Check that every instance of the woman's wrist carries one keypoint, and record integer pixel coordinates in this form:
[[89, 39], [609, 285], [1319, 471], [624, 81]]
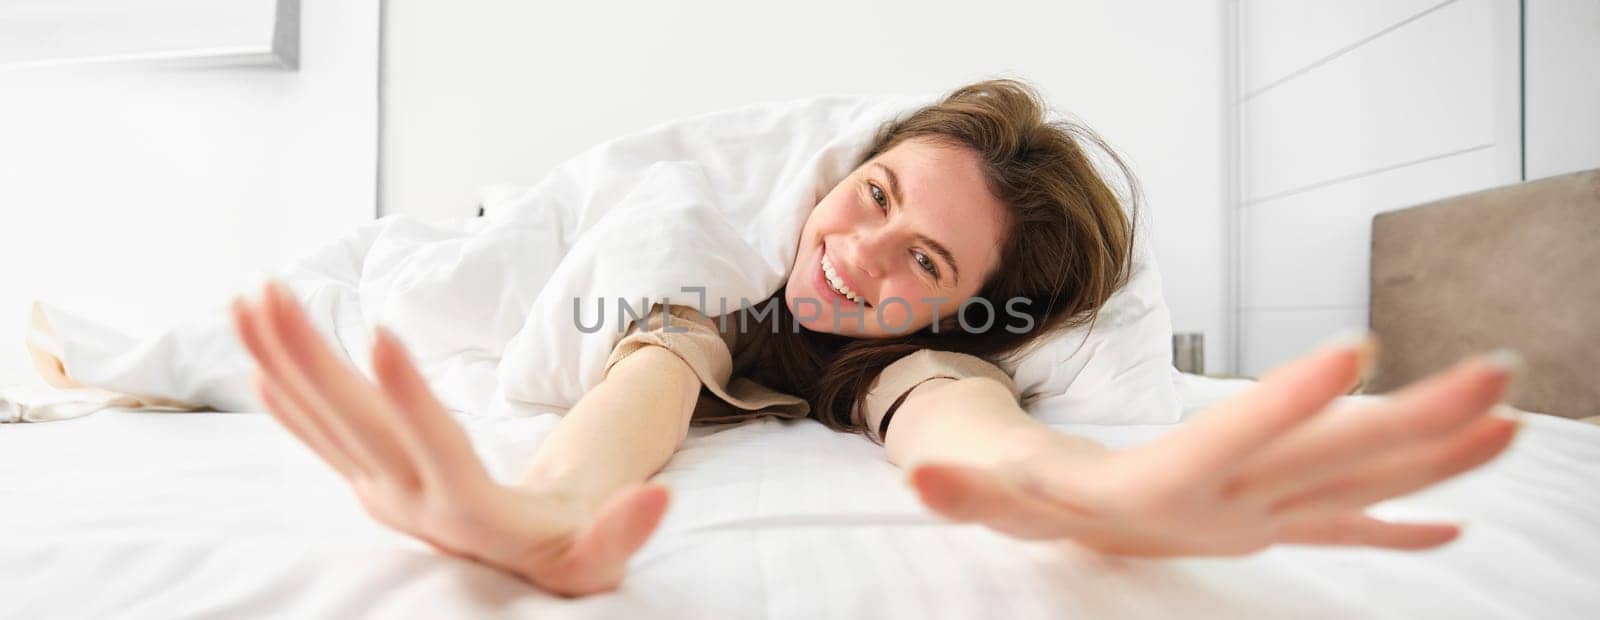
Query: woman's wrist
[[569, 485], [1037, 444]]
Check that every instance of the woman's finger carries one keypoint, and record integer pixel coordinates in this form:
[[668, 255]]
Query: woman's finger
[[248, 325], [1330, 444], [1360, 529], [351, 403], [442, 448], [1217, 440], [295, 420], [1404, 472]]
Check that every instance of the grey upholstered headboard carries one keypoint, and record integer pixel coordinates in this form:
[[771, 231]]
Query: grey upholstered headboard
[[1516, 266]]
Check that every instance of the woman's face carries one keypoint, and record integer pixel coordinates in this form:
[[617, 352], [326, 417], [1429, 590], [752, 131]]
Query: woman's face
[[913, 232]]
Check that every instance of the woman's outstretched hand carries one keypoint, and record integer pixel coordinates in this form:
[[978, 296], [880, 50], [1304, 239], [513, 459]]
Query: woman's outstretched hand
[[413, 467], [1272, 465]]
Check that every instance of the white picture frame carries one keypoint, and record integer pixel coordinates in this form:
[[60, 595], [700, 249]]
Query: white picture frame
[[231, 33]]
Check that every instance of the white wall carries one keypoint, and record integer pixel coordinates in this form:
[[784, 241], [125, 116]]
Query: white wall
[[1563, 86], [1347, 109], [500, 91], [133, 193]]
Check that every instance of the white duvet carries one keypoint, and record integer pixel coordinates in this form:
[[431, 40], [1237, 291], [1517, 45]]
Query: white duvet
[[487, 308], [179, 515]]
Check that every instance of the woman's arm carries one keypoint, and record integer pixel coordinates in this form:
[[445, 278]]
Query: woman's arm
[[973, 421], [1266, 467], [573, 524], [622, 431]]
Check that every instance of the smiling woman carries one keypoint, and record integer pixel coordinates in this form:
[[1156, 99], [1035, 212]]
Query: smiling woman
[[973, 205], [959, 207]]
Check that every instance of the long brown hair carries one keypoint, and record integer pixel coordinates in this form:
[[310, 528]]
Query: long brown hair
[[1068, 246]]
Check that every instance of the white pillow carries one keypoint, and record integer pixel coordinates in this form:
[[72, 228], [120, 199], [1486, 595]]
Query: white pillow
[[1116, 371]]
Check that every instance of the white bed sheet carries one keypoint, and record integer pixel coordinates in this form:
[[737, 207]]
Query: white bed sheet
[[163, 515]]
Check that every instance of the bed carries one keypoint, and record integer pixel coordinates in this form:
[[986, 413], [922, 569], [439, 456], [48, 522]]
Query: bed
[[142, 514], [145, 514]]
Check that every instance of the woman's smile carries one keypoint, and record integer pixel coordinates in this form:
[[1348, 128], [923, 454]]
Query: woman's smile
[[834, 281]]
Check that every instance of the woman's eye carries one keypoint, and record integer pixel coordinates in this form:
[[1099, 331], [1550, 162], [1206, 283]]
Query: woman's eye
[[927, 264], [878, 196]]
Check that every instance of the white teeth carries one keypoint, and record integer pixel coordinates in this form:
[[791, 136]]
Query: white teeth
[[838, 285]]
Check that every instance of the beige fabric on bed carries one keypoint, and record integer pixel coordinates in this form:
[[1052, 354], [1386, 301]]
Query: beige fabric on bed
[[45, 349], [720, 356], [1517, 267], [64, 397]]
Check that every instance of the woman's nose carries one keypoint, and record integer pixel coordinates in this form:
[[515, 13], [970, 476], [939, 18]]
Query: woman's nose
[[871, 251]]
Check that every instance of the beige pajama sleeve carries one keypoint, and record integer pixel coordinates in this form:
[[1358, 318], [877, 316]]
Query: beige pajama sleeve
[[707, 349]]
